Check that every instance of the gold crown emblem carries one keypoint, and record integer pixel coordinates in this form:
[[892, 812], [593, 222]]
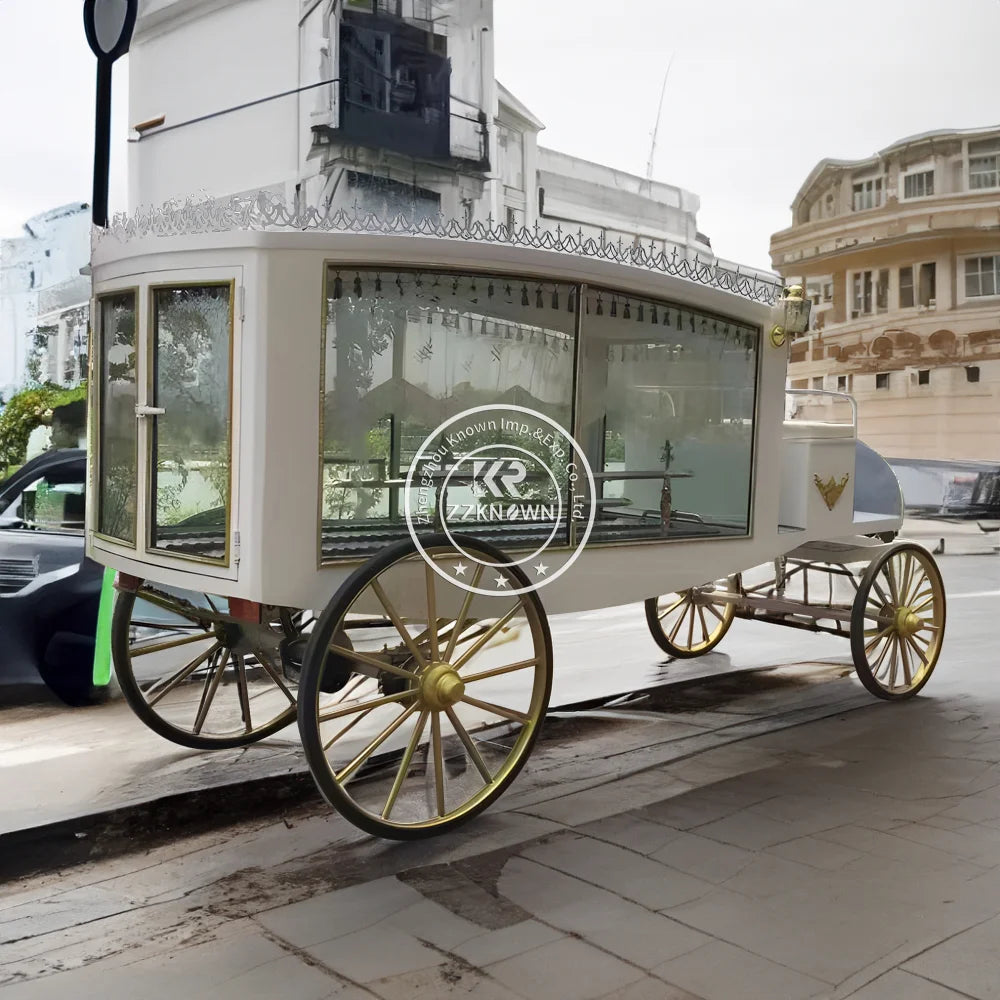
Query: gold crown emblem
[[831, 490]]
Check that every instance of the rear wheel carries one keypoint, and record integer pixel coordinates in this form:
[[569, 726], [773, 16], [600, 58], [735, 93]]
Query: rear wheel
[[198, 675], [897, 622], [692, 622], [414, 726]]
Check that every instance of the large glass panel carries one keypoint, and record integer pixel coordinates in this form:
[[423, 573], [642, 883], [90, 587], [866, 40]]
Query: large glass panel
[[404, 352], [667, 397], [117, 451], [192, 330]]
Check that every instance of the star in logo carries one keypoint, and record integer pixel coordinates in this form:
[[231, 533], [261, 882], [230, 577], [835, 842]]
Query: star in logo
[[460, 569], [501, 582], [541, 569]]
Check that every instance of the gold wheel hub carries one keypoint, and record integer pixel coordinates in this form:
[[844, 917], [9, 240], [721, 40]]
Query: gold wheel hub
[[908, 623], [441, 687]]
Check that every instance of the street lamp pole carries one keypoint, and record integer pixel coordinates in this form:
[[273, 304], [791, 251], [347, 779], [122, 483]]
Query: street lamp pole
[[108, 25]]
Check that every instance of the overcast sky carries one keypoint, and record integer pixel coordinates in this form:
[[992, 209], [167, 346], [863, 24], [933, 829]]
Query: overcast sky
[[757, 93]]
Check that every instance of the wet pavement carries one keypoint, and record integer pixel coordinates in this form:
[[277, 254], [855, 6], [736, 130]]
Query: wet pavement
[[769, 834]]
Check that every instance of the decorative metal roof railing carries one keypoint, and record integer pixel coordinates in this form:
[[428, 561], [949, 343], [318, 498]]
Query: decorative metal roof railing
[[266, 211]]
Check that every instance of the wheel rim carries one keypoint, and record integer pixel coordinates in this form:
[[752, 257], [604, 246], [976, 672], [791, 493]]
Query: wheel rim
[[205, 677], [433, 722], [904, 621], [694, 621]]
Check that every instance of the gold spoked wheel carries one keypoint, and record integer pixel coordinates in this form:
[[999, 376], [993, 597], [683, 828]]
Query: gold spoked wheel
[[412, 729], [692, 622], [196, 674], [897, 622]]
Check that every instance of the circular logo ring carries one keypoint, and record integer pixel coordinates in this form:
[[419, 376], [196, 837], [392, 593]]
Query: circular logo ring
[[581, 463]]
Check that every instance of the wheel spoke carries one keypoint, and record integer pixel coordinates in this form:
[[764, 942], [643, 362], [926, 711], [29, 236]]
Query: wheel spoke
[[921, 654], [878, 638], [486, 636], [677, 625], [398, 623], [211, 686], [244, 692], [673, 607], [364, 706], [438, 761], [371, 661], [182, 674], [159, 647], [876, 667], [904, 657], [346, 729], [429, 575], [462, 614], [892, 662], [273, 674], [345, 775], [690, 644], [470, 746], [504, 713], [497, 671], [893, 586], [715, 611], [404, 766], [704, 627]]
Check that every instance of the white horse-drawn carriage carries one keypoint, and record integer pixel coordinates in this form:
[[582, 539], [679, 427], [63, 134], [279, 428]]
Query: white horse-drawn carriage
[[288, 413]]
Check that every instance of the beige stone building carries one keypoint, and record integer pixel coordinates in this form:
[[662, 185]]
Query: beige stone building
[[900, 254]]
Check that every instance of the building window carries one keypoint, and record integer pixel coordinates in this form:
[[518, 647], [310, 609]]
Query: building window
[[918, 185], [924, 376], [818, 382], [906, 288], [868, 194], [982, 276], [882, 381], [828, 292], [972, 373], [871, 293], [928, 284], [984, 164], [844, 383]]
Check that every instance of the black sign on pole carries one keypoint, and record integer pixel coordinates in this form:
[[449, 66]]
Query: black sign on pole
[[109, 25]]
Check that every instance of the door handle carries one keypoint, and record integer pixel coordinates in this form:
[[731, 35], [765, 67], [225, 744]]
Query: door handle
[[149, 411]]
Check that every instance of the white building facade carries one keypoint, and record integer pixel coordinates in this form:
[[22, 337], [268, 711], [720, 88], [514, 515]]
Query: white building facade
[[43, 299], [389, 106]]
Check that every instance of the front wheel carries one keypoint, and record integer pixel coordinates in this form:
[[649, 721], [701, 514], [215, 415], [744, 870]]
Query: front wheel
[[414, 727], [692, 622], [897, 622]]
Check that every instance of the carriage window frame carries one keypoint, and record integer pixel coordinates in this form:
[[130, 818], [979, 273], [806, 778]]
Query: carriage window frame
[[150, 546], [580, 290], [466, 270], [97, 416], [704, 316]]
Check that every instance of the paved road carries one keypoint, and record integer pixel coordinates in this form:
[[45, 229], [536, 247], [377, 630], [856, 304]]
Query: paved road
[[784, 837]]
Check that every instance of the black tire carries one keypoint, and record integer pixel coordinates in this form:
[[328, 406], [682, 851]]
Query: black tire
[[878, 599], [132, 692], [316, 657]]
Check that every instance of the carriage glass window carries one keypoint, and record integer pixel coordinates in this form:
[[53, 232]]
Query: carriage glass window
[[190, 467], [667, 403], [117, 448], [403, 352]]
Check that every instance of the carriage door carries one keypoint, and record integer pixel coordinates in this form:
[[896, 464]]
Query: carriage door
[[189, 418]]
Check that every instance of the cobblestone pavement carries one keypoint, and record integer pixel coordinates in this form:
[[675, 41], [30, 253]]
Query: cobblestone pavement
[[779, 836]]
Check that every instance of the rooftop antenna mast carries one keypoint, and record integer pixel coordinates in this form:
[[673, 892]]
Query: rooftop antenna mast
[[656, 128]]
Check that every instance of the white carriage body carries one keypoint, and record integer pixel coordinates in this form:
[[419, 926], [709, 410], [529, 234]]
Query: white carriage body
[[278, 292]]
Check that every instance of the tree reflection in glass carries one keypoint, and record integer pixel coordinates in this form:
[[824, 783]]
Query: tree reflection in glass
[[117, 448], [191, 448]]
